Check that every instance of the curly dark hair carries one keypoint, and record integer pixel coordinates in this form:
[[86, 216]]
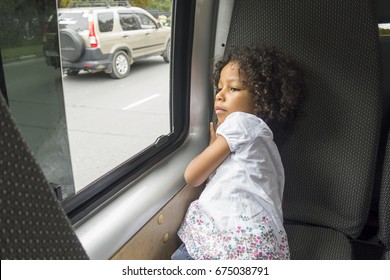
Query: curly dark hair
[[274, 81]]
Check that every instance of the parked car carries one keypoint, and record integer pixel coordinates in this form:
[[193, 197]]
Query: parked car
[[109, 39]]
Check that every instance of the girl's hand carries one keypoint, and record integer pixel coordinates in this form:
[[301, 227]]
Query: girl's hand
[[213, 135], [201, 167]]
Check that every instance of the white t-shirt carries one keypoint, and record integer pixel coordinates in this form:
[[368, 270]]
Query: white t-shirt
[[239, 213]]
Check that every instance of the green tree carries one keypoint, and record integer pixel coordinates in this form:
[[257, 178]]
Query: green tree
[[66, 3], [63, 3], [140, 3], [384, 32], [161, 5]]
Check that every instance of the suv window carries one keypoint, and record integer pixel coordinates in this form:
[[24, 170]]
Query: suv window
[[146, 22], [106, 22], [128, 22], [75, 21]]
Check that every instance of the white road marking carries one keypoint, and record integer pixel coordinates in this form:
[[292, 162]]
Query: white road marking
[[141, 101]]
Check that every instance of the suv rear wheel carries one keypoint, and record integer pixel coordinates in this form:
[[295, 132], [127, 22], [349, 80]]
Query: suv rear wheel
[[167, 53], [120, 65]]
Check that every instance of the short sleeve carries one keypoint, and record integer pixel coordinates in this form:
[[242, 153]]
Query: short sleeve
[[239, 129]]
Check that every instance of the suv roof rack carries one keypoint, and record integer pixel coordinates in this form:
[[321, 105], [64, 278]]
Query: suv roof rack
[[106, 4]]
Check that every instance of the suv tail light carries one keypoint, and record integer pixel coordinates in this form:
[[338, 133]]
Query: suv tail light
[[92, 36]]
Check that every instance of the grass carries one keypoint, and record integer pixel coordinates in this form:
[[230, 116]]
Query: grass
[[384, 32], [11, 54]]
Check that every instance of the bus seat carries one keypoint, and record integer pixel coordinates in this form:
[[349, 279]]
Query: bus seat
[[33, 223], [382, 191], [330, 155], [385, 53], [384, 204]]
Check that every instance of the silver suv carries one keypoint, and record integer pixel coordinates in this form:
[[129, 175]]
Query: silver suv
[[109, 39]]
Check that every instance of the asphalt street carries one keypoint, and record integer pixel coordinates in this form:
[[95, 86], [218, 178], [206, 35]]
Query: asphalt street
[[110, 120]]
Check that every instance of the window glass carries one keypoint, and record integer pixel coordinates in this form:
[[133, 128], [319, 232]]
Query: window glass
[[75, 21], [33, 83], [146, 22], [128, 22], [106, 22], [87, 103]]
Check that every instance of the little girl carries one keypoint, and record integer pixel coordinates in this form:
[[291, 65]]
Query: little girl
[[239, 213]]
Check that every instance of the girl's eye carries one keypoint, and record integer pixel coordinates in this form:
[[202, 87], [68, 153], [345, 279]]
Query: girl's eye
[[234, 89]]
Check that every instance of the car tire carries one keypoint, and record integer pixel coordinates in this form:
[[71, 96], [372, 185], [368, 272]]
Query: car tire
[[72, 45], [167, 53], [120, 65], [71, 73]]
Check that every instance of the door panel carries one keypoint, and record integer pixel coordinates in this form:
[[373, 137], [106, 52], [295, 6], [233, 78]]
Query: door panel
[[157, 240], [155, 38], [131, 34]]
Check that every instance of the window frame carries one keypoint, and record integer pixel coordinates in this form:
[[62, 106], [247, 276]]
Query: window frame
[[3, 88], [84, 202]]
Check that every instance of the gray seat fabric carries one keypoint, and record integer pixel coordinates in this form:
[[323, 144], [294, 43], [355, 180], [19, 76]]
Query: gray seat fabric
[[385, 48], [33, 223], [330, 156], [309, 242], [384, 204]]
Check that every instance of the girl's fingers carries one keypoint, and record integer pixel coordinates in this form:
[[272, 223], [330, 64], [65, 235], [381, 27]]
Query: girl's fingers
[[212, 133]]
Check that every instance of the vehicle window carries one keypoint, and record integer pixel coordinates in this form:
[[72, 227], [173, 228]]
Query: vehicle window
[[92, 116], [128, 22], [106, 22], [75, 21], [146, 22], [33, 85]]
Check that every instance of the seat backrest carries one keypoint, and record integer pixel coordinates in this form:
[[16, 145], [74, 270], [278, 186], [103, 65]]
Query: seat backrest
[[330, 156], [33, 223], [385, 48]]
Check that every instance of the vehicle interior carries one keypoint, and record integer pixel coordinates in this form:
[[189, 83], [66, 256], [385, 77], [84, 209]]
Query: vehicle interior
[[336, 159]]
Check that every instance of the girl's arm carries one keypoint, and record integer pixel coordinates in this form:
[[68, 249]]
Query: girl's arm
[[204, 164]]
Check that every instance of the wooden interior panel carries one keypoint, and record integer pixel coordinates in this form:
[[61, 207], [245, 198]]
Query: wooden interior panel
[[157, 240]]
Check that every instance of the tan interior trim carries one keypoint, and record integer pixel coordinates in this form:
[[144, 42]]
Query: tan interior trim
[[157, 240]]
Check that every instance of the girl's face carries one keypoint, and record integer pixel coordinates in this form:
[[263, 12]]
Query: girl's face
[[231, 96]]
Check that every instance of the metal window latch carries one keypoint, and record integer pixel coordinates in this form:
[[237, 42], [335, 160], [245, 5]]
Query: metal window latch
[[57, 190]]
